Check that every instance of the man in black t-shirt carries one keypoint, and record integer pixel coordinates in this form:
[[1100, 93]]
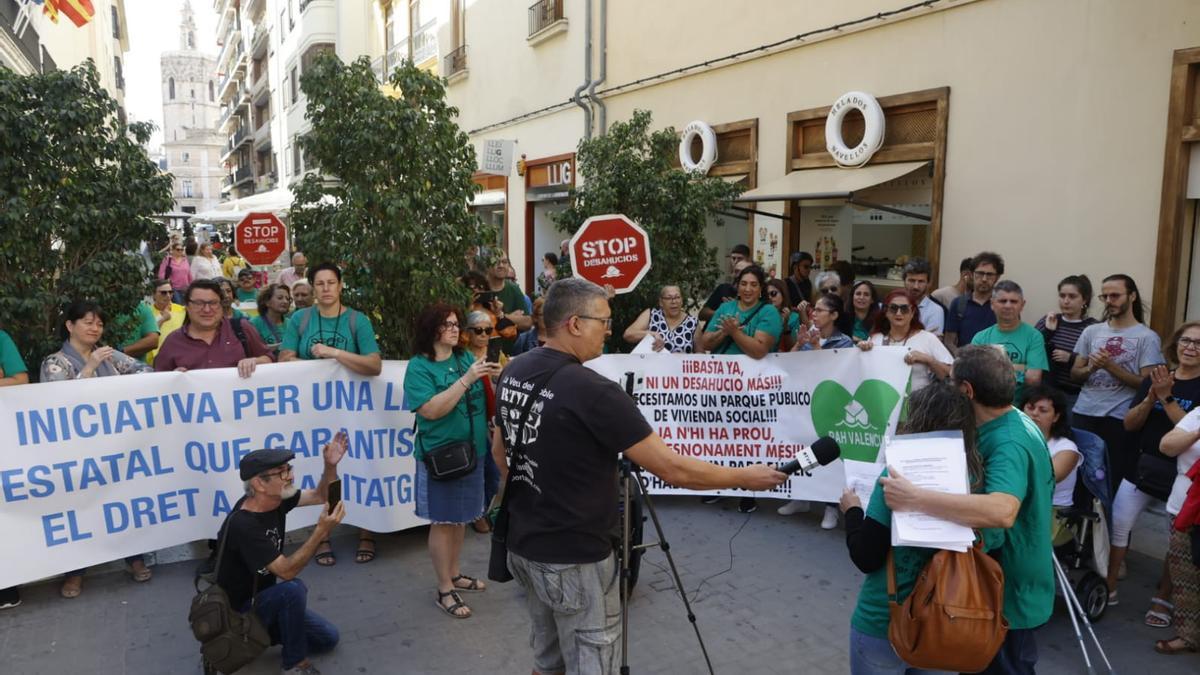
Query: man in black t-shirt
[[725, 291], [253, 558], [563, 500]]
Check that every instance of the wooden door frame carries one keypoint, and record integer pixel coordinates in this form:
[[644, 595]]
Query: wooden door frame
[[1183, 129]]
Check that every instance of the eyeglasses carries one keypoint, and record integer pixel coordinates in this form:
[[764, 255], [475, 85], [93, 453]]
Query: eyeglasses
[[481, 330], [819, 308], [283, 471], [773, 294], [204, 304], [447, 325], [899, 309], [607, 321], [985, 275], [830, 289], [1188, 343], [670, 298]]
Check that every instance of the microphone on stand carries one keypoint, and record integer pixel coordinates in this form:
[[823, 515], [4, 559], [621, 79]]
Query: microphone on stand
[[822, 452]]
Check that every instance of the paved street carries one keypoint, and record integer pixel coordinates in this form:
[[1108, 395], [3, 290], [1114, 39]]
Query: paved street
[[784, 607]]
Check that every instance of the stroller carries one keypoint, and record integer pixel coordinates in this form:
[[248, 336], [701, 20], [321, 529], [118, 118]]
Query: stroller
[[1081, 543]]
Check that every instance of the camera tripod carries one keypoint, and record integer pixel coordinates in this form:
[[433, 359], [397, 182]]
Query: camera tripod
[[631, 479]]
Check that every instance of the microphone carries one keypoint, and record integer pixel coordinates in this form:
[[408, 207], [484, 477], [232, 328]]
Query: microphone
[[821, 453]]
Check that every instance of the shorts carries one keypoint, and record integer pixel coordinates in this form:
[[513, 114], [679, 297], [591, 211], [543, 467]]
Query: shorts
[[575, 613]]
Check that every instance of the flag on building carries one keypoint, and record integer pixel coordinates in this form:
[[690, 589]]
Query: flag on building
[[78, 11]]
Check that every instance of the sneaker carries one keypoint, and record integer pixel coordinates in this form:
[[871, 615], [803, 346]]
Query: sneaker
[[10, 597], [710, 499], [793, 507], [748, 505], [830, 520], [310, 669]]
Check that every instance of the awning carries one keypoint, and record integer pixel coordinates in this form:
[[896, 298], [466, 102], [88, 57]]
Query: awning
[[277, 201], [830, 183], [488, 198]]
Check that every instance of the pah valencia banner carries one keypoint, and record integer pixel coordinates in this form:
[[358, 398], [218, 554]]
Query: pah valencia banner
[[95, 470]]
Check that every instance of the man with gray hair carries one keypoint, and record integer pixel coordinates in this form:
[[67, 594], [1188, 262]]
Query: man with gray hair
[[251, 552], [1022, 343], [1015, 503], [565, 426]]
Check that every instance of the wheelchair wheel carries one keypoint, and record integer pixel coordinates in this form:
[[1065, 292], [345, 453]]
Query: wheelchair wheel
[[1092, 592]]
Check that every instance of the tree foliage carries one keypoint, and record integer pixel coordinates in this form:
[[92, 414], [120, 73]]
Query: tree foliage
[[629, 170], [391, 207], [77, 191]]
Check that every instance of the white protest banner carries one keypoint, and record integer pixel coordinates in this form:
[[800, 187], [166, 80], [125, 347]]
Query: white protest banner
[[735, 410], [98, 469]]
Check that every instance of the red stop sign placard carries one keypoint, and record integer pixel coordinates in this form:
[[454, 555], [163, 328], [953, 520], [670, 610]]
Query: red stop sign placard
[[260, 238], [611, 249]]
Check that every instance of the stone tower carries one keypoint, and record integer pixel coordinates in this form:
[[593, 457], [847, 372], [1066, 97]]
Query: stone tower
[[190, 116]]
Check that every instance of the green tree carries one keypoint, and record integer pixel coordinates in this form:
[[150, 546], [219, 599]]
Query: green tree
[[78, 192], [629, 170], [391, 205]]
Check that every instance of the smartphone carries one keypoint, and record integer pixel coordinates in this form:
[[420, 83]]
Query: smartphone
[[334, 493], [493, 350], [486, 299]]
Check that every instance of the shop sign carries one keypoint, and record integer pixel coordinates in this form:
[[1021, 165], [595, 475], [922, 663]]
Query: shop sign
[[260, 238], [872, 139], [611, 249], [496, 157]]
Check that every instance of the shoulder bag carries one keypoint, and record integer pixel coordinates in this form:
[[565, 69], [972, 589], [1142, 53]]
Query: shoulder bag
[[498, 560], [453, 460], [228, 638], [953, 619]]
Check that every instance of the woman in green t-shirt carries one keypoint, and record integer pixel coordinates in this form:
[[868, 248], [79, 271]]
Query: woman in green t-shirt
[[442, 385], [748, 324], [274, 303], [937, 407]]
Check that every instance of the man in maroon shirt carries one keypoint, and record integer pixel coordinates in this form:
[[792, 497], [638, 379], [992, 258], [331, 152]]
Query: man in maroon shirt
[[208, 340]]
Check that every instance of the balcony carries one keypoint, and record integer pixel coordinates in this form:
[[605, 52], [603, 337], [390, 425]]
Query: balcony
[[241, 175], [456, 63], [305, 3], [266, 182], [262, 135], [258, 43], [424, 42], [255, 7], [544, 15], [239, 137]]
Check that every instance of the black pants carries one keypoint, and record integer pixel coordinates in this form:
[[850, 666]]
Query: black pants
[[1122, 461], [1017, 656]]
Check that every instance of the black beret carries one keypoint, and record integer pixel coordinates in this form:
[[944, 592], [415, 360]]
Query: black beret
[[263, 460]]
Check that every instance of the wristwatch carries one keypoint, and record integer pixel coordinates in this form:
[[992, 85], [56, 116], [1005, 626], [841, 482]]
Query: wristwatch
[[1168, 399]]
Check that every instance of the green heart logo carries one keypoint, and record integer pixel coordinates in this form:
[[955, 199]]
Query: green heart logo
[[859, 422]]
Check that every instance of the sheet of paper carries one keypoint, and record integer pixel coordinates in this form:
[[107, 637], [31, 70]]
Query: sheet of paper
[[861, 478], [646, 346], [934, 461]]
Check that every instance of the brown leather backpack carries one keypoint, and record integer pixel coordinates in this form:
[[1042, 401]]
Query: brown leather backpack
[[953, 618]]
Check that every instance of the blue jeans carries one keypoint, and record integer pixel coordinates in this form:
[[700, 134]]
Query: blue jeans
[[284, 609], [870, 655], [1017, 656]]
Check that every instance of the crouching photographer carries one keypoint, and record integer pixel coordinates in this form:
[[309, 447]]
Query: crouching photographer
[[565, 426], [252, 568]]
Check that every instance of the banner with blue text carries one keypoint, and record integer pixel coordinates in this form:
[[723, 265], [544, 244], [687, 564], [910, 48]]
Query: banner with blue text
[[95, 470]]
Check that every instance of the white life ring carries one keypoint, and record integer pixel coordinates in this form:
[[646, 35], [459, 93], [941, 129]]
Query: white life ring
[[872, 140], [708, 147]]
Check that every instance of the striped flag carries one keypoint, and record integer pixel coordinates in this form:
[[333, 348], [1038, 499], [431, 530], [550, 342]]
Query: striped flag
[[78, 11]]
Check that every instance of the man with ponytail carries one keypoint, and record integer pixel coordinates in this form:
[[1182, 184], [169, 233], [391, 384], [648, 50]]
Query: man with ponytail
[[1111, 359]]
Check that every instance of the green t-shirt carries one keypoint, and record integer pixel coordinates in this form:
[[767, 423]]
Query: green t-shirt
[[334, 332], [270, 334], [514, 300], [147, 323], [1025, 346], [765, 319], [246, 296], [425, 378], [10, 359], [861, 330], [1017, 462]]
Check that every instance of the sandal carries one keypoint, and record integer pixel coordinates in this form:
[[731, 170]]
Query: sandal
[[453, 610], [365, 555], [473, 585], [481, 525], [1156, 618], [71, 587], [1112, 599], [1175, 645], [325, 558], [141, 575]]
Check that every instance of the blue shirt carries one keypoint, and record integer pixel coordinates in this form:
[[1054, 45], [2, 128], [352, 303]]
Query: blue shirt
[[975, 317]]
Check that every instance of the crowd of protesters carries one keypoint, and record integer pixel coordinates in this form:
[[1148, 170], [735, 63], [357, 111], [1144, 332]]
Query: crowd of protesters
[[974, 356]]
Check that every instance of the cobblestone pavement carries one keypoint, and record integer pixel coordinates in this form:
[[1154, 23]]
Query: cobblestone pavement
[[784, 607]]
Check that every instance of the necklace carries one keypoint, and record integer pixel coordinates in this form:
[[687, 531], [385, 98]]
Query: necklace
[[321, 327], [888, 340]]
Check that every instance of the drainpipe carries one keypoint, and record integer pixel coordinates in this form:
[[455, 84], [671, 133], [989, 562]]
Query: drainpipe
[[587, 72], [603, 114]]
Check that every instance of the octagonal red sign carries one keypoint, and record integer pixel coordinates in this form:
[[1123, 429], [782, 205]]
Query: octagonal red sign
[[260, 238], [611, 249]]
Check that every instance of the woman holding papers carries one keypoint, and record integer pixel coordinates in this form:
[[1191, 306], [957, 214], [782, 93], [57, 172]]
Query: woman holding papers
[[937, 407], [899, 325]]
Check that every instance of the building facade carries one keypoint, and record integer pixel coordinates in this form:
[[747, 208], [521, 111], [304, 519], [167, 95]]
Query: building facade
[[191, 147]]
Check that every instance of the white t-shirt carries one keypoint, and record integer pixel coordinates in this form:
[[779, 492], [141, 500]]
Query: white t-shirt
[[1184, 462], [921, 341], [1064, 492], [205, 268]]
